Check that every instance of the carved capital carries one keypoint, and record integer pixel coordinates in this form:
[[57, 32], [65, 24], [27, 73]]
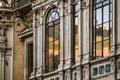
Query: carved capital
[[85, 3], [3, 38]]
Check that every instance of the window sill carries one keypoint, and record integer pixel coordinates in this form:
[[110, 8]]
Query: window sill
[[101, 59], [50, 73]]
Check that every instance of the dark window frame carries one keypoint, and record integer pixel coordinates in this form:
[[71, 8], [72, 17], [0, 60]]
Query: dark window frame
[[75, 29], [94, 25], [29, 48], [48, 26]]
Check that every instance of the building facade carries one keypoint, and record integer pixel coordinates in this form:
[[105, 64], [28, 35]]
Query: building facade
[[60, 40]]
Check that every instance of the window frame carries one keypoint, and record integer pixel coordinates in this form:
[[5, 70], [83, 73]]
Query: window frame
[[75, 15], [110, 20], [52, 25]]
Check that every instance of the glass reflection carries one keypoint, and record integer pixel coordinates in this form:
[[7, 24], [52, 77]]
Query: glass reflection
[[106, 47], [50, 34], [99, 16], [52, 45], [106, 13], [53, 16], [99, 49], [102, 28], [76, 32]]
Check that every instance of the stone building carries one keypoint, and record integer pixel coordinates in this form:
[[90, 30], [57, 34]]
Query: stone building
[[59, 40]]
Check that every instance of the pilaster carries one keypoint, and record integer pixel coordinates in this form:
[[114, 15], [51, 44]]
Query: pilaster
[[79, 73], [68, 35], [33, 74], [0, 66], [85, 33], [40, 44], [68, 75], [61, 76], [61, 8]]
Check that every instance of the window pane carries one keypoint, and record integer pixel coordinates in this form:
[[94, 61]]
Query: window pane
[[95, 71], [99, 16], [51, 34], [110, 15], [76, 23], [76, 54], [51, 63], [110, 7], [53, 16], [50, 49], [97, 1], [50, 19], [99, 49], [106, 48], [98, 5], [105, 2], [101, 69], [110, 29], [108, 68], [98, 33], [56, 47], [106, 13], [56, 32]]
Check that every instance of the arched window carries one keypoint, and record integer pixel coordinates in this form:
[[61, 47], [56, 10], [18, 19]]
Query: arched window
[[102, 28], [52, 42]]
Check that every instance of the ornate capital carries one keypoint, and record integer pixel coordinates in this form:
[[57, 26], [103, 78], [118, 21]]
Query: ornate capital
[[85, 3], [3, 38]]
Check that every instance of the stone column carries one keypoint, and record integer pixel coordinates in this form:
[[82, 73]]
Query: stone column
[[79, 33], [115, 38], [85, 33], [68, 35], [85, 5], [61, 10], [40, 43], [33, 74], [0, 67]]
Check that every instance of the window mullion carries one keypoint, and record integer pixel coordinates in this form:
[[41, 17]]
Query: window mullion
[[102, 29], [109, 26]]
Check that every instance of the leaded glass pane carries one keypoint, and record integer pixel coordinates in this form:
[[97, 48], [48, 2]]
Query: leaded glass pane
[[102, 28], [52, 40], [95, 71]]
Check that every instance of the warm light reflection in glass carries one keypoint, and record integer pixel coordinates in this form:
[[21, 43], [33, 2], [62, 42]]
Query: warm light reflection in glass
[[76, 31], [53, 42]]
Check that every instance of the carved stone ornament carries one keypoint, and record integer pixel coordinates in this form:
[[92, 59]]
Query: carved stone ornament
[[112, 65], [28, 24], [3, 37], [118, 48], [78, 72], [85, 3], [85, 72]]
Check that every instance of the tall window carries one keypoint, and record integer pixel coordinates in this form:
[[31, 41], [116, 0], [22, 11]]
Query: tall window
[[102, 28], [52, 40], [30, 57], [75, 29]]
